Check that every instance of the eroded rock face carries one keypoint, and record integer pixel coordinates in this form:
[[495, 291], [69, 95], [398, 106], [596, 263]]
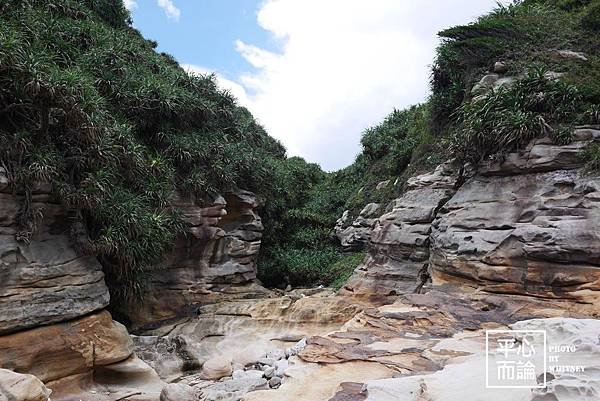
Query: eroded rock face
[[19, 387], [64, 349], [399, 246], [468, 364], [413, 348], [241, 333], [527, 226], [44, 281], [131, 379], [353, 236], [214, 261]]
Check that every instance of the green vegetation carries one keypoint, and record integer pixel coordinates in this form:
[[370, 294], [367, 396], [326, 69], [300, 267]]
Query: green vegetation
[[508, 118], [297, 246], [88, 105], [394, 150], [592, 157], [525, 36]]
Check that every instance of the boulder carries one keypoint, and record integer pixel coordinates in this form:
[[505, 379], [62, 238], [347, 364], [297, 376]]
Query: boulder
[[233, 390], [275, 382], [216, 368], [20, 387], [64, 349], [500, 67], [485, 84], [179, 392], [568, 55]]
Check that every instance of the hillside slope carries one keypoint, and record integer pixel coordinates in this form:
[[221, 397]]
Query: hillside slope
[[88, 106]]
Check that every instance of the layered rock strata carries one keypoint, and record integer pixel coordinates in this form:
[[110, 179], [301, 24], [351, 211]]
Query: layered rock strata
[[19, 387], [356, 234], [399, 243], [43, 280], [214, 261], [525, 225]]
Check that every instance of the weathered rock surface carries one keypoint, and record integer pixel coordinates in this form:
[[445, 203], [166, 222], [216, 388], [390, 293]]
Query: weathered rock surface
[[216, 368], [20, 387], [44, 281], [354, 235], [523, 224], [214, 261], [399, 247], [569, 55], [242, 332], [131, 379], [468, 364], [543, 155], [179, 392], [526, 226], [64, 349], [424, 338]]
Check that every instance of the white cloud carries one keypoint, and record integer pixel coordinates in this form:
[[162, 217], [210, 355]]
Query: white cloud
[[236, 89], [130, 4], [344, 65], [171, 10]]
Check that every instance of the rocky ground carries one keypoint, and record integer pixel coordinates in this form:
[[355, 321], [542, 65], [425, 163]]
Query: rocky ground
[[328, 347]]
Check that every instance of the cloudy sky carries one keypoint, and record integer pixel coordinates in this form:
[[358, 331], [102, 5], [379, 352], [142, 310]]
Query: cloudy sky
[[315, 73]]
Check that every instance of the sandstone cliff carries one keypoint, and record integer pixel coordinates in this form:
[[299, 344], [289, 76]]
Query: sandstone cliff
[[526, 224], [53, 324], [214, 261], [46, 280]]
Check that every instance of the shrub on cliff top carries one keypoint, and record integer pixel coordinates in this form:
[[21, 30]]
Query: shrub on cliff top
[[507, 118], [520, 34]]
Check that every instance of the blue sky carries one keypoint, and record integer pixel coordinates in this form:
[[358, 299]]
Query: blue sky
[[315, 73], [205, 31]]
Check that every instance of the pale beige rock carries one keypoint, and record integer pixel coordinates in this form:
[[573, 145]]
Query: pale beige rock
[[569, 55], [20, 387], [233, 390], [216, 368], [244, 331], [64, 349], [531, 234], [179, 392], [470, 368], [131, 379], [316, 383]]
